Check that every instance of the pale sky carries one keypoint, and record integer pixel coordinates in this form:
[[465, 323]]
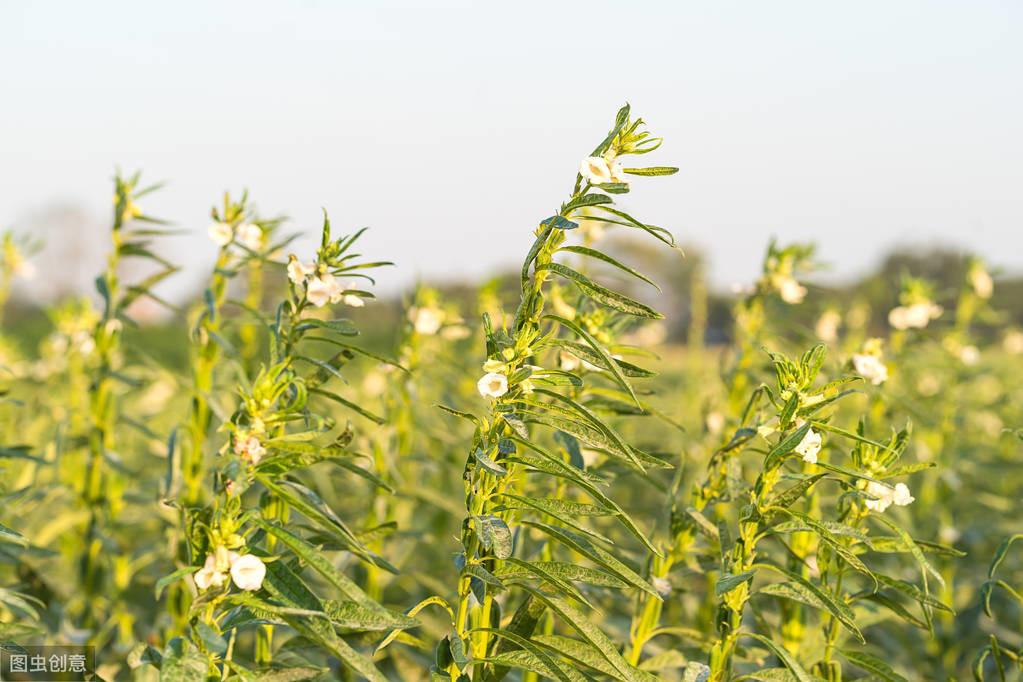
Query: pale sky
[[452, 128]]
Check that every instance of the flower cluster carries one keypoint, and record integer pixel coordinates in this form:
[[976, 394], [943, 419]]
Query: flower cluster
[[885, 496], [250, 235], [917, 307], [321, 287], [246, 570], [602, 170]]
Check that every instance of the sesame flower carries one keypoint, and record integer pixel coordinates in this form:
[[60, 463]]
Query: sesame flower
[[870, 367], [348, 299], [886, 496], [791, 291], [596, 170], [662, 586], [322, 289], [492, 385], [915, 316], [220, 233], [298, 271], [249, 449], [827, 326], [247, 572], [981, 281], [969, 355], [809, 446], [426, 321], [567, 361], [209, 576], [1013, 342], [250, 235]]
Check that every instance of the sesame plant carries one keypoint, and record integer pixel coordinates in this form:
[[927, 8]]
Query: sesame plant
[[249, 557], [532, 477], [508, 460]]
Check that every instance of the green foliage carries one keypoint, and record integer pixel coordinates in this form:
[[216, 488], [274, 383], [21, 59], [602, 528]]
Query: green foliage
[[521, 483]]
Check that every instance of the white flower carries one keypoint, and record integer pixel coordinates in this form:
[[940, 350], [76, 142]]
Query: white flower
[[981, 282], [208, 576], [870, 368], [322, 289], [827, 326], [901, 496], [618, 173], [567, 361], [492, 385], [715, 422], [809, 447], [248, 572], [662, 586], [24, 269], [346, 298], [791, 291], [456, 332], [887, 496], [251, 236], [250, 449], [596, 170], [220, 233], [915, 316], [426, 321], [297, 271], [1013, 342], [969, 355]]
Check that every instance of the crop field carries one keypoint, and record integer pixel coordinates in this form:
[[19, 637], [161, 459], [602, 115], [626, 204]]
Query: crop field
[[291, 479]]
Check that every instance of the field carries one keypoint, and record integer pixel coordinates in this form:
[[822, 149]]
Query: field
[[292, 480]]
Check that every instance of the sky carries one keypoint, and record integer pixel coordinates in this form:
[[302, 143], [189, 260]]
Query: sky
[[451, 128]]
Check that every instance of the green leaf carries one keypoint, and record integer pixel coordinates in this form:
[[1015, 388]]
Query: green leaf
[[177, 575], [873, 665], [603, 295], [586, 200], [802, 590], [490, 465], [494, 534], [315, 558], [358, 409], [610, 364], [182, 662], [211, 639], [601, 256], [538, 571], [1000, 553], [595, 554], [559, 670], [829, 538], [652, 170], [353, 616], [727, 583], [563, 571], [617, 666], [784, 656]]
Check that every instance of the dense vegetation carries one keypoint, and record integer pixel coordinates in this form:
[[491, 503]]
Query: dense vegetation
[[531, 480]]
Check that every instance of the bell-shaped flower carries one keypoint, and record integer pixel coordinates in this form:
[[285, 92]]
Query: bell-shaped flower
[[321, 289], [298, 271], [251, 235], [247, 572], [492, 385], [221, 233], [809, 446], [596, 170]]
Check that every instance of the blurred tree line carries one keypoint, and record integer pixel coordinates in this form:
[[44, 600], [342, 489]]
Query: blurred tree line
[[687, 300]]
